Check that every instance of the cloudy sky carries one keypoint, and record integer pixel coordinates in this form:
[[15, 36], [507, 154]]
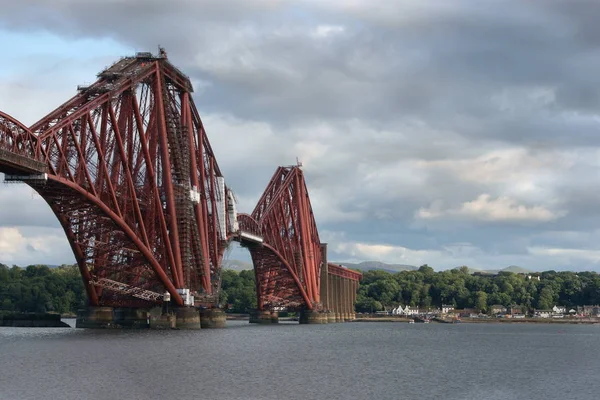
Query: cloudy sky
[[441, 132]]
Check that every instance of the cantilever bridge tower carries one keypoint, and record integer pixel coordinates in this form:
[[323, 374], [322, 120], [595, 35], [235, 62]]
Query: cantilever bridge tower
[[127, 168]]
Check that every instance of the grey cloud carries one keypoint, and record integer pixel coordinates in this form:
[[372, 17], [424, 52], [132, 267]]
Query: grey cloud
[[22, 206], [439, 64], [400, 83]]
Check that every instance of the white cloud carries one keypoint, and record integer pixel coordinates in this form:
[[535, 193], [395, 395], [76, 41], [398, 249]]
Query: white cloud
[[486, 208], [568, 256], [323, 31], [11, 241], [386, 253], [392, 106], [516, 171], [48, 246]]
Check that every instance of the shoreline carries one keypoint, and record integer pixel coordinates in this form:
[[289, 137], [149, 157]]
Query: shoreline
[[32, 320], [487, 320]]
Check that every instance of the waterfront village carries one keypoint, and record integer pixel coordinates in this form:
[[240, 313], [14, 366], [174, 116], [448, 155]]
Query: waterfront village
[[449, 313]]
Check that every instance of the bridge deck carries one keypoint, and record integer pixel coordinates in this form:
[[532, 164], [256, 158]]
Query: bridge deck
[[343, 272], [18, 164]]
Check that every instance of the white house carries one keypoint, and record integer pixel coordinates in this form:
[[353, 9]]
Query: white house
[[543, 313], [398, 311], [559, 309], [411, 310], [446, 308]]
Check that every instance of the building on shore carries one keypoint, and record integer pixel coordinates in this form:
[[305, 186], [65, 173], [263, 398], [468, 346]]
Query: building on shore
[[446, 308], [588, 311], [497, 309]]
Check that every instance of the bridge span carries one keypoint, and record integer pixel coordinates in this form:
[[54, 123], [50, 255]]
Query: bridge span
[[127, 168]]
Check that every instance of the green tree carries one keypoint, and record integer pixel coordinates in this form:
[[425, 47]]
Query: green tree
[[546, 298], [481, 301]]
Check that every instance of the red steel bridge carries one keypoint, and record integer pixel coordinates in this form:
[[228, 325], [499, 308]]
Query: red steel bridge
[[127, 168]]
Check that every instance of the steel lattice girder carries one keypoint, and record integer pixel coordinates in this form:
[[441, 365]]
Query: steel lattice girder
[[18, 148], [133, 181], [343, 272], [292, 251]]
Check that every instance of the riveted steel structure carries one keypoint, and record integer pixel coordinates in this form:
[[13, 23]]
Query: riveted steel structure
[[127, 168], [288, 263], [133, 181], [343, 286]]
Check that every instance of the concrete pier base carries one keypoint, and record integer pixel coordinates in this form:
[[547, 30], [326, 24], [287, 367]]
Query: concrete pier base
[[163, 321], [331, 318], [95, 318], [212, 318], [312, 317], [133, 318], [139, 318], [338, 317], [263, 317], [186, 318]]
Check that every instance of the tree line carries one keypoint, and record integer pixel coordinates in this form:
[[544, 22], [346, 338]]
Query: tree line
[[38, 288], [41, 289], [238, 290], [425, 288]]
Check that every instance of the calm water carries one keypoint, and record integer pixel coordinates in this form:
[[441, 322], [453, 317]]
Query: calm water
[[289, 361]]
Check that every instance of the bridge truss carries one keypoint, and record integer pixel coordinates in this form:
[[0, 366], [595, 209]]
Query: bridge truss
[[127, 168], [133, 180]]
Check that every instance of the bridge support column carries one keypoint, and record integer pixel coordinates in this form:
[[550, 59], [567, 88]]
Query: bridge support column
[[95, 317], [323, 317], [312, 317], [212, 318], [186, 318], [162, 321], [354, 289], [263, 317], [135, 318], [341, 312], [331, 317], [343, 299], [331, 300], [334, 298], [324, 284], [346, 298]]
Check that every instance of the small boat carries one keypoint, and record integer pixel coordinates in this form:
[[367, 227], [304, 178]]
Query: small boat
[[412, 321]]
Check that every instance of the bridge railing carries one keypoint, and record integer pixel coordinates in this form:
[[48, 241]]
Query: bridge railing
[[249, 225], [18, 147], [341, 271]]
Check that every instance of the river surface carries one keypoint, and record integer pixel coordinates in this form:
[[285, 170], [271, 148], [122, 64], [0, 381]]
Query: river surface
[[290, 361]]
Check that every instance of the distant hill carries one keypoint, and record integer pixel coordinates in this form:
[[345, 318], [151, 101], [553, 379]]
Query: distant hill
[[516, 269], [473, 270], [513, 268], [377, 265], [47, 265], [236, 265]]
